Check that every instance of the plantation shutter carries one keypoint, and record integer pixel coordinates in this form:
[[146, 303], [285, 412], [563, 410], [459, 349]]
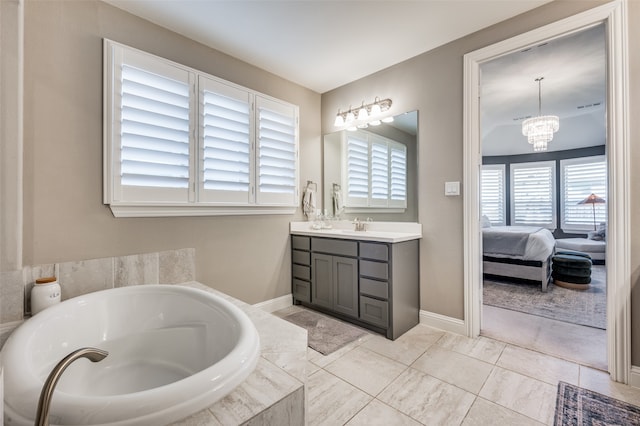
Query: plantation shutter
[[492, 193], [379, 172], [533, 194], [357, 173], [225, 148], [152, 118], [398, 175], [277, 153], [580, 178]]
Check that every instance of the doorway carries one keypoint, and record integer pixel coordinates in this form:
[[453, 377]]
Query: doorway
[[538, 184], [612, 15]]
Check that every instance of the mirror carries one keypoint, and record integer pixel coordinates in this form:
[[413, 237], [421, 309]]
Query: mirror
[[404, 131]]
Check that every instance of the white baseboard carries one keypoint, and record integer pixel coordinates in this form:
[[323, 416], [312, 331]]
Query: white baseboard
[[276, 304], [634, 377], [443, 322]]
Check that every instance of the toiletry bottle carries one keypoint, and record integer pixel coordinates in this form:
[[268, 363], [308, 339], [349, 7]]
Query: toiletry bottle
[[45, 292]]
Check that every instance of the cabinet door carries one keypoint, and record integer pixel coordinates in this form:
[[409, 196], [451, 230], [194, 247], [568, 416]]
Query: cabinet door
[[322, 280], [345, 285]]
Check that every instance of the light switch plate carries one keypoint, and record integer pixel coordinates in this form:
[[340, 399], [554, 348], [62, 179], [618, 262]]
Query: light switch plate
[[451, 188]]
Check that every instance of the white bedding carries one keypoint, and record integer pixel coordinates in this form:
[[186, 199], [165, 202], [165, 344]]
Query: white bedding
[[539, 246]]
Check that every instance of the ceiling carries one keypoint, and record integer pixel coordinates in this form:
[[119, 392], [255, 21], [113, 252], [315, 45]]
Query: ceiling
[[573, 88], [323, 45]]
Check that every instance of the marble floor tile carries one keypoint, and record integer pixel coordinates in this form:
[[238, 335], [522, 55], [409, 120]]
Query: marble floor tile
[[539, 366], [487, 350], [530, 397], [378, 414], [454, 368], [332, 401], [366, 370], [427, 399], [408, 347], [599, 381], [484, 413], [580, 344]]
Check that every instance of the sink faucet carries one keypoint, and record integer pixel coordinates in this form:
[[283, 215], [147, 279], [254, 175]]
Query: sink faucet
[[93, 354], [360, 225]]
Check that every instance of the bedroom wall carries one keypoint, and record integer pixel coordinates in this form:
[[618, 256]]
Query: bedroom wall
[[543, 156], [64, 218]]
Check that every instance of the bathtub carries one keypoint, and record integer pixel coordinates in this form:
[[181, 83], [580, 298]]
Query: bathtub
[[173, 351]]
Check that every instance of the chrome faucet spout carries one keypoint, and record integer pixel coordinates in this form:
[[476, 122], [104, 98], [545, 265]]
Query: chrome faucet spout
[[92, 354]]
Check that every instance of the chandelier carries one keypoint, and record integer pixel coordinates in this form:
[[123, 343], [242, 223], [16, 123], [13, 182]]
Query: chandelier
[[365, 115], [539, 130]]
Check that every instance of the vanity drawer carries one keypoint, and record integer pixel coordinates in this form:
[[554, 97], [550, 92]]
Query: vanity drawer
[[300, 242], [301, 257], [374, 288], [335, 247], [374, 311], [378, 270], [374, 251], [302, 290], [303, 272]]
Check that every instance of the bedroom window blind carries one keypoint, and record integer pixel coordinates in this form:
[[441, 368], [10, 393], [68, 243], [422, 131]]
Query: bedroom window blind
[[180, 142], [492, 193], [533, 198], [581, 177], [376, 172]]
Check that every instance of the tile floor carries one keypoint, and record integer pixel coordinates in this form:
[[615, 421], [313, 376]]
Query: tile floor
[[432, 377]]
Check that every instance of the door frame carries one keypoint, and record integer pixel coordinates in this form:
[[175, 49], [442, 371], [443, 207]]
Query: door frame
[[614, 17]]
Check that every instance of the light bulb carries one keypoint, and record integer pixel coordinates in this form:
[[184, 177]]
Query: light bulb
[[362, 113], [375, 110], [339, 121], [350, 117]]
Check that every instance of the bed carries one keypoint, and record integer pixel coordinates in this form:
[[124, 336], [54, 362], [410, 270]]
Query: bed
[[518, 254]]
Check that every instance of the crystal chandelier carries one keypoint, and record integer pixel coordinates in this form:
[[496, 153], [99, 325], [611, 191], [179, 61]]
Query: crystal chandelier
[[539, 130]]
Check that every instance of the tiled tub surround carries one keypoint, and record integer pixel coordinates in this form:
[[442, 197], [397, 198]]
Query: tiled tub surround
[[273, 394]]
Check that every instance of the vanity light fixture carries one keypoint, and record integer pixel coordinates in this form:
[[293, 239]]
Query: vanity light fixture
[[539, 130], [367, 115]]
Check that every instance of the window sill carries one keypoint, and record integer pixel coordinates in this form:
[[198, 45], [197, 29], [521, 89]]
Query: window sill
[[120, 210]]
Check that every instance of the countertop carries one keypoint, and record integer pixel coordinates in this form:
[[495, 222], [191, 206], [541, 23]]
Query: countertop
[[387, 232]]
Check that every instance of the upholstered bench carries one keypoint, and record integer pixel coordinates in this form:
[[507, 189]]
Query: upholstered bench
[[595, 249], [571, 269]]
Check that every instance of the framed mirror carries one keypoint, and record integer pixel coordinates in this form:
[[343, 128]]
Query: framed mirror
[[373, 172]]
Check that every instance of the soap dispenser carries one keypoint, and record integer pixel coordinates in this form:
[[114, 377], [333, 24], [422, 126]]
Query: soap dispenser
[[46, 292]]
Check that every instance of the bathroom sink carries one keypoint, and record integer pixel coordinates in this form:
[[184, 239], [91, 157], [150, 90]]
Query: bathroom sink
[[173, 351]]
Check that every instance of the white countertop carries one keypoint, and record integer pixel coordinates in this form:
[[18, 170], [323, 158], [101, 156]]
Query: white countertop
[[387, 232]]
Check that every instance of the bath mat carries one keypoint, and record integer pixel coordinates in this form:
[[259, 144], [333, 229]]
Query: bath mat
[[579, 406], [325, 334], [583, 307]]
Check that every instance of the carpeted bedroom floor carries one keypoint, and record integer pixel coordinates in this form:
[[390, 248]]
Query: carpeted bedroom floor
[[582, 307]]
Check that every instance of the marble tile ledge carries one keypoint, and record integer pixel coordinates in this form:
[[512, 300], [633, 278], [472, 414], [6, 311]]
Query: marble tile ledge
[[275, 391]]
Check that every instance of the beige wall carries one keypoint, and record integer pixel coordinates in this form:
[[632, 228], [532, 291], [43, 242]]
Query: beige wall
[[433, 84], [64, 218]]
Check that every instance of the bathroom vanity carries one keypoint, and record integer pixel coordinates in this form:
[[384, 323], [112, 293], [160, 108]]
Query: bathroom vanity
[[370, 278]]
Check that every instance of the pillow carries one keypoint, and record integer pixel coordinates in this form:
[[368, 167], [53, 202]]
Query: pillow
[[600, 234], [485, 222]]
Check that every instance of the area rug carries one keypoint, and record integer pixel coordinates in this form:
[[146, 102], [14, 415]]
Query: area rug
[[583, 307], [325, 335], [579, 406]]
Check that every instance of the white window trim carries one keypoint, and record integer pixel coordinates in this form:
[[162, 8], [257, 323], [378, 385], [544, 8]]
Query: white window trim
[[570, 161], [193, 207], [552, 165]]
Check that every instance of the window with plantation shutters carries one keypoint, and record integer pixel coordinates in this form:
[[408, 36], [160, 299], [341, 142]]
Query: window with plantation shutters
[[179, 142], [492, 193], [376, 172], [225, 143], [277, 152], [581, 177], [533, 197]]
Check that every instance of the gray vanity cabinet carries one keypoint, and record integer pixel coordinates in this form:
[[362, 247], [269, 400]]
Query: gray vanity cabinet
[[372, 284], [334, 283]]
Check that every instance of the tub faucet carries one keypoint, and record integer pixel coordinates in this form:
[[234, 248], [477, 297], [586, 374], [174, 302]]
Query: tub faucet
[[93, 354]]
